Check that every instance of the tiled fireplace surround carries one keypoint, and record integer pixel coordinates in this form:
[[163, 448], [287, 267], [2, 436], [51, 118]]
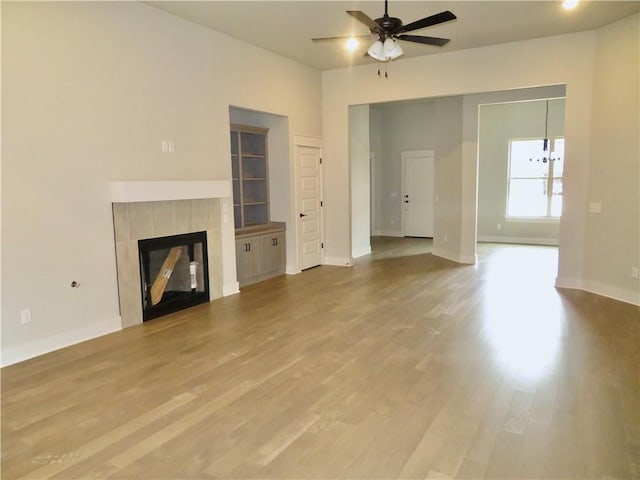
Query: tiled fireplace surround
[[137, 220]]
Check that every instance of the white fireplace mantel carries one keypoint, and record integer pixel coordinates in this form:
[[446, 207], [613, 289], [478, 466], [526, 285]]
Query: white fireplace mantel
[[129, 192]]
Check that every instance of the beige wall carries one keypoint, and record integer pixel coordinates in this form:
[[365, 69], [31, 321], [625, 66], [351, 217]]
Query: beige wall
[[89, 90], [612, 238]]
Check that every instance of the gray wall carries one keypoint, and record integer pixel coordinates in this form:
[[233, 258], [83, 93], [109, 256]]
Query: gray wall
[[498, 124], [426, 124], [396, 127], [360, 180]]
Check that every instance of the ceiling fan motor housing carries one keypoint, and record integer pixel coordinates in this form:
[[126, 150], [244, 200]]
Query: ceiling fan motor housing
[[388, 24]]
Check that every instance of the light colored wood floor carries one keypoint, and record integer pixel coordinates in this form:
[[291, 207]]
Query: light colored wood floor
[[404, 366]]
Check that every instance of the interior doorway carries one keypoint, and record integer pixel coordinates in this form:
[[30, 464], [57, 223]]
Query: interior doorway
[[519, 182]]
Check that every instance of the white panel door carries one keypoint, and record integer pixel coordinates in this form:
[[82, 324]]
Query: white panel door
[[309, 179], [417, 193]]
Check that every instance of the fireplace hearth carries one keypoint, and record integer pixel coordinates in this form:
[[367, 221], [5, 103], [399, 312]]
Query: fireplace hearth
[[174, 273]]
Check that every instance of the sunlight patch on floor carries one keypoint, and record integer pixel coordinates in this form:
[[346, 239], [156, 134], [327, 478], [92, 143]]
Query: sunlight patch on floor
[[523, 323]]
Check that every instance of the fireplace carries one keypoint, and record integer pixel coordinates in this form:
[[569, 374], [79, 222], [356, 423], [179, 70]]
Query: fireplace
[[174, 273], [149, 210]]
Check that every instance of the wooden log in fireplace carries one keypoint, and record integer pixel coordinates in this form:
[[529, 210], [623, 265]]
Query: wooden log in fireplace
[[160, 283]]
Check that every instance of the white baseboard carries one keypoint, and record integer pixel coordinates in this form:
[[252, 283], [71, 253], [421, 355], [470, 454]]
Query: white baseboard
[[455, 257], [293, 270], [599, 288], [338, 261], [468, 259], [29, 350], [230, 289], [566, 282], [520, 240], [359, 252]]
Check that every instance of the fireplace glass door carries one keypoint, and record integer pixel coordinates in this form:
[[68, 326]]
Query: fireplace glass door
[[174, 272]]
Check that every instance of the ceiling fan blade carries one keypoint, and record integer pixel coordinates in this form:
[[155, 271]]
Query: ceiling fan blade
[[324, 39], [441, 17], [438, 42], [364, 18]]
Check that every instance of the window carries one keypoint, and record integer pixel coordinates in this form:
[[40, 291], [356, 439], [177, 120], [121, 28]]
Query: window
[[535, 182]]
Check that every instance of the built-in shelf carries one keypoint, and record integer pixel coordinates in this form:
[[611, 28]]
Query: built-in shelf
[[249, 170]]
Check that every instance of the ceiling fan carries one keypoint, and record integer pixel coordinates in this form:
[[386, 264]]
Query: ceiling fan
[[389, 29]]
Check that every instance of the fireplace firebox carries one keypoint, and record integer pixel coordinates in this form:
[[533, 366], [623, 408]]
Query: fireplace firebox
[[174, 273]]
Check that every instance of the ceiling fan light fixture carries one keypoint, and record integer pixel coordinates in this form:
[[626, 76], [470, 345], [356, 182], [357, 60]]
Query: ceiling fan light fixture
[[570, 4], [391, 49], [376, 51]]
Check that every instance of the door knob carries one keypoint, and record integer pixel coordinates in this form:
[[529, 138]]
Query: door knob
[[302, 215]]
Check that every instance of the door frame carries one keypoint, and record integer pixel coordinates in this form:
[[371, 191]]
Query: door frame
[[373, 194], [298, 142], [404, 155]]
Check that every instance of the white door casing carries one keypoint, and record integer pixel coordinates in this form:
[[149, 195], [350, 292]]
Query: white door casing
[[417, 193], [309, 206]]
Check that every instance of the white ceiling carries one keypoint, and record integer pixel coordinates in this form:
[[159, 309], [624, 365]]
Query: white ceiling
[[286, 27]]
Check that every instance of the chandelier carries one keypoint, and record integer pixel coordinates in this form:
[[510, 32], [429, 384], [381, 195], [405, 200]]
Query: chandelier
[[546, 154]]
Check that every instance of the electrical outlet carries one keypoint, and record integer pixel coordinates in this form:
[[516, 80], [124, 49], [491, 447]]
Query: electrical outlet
[[445, 238], [499, 226], [25, 316], [634, 272]]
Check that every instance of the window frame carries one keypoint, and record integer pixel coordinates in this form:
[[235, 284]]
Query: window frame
[[549, 183]]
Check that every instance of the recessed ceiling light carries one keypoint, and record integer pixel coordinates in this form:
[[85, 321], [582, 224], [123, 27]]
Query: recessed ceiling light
[[570, 4], [351, 44]]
